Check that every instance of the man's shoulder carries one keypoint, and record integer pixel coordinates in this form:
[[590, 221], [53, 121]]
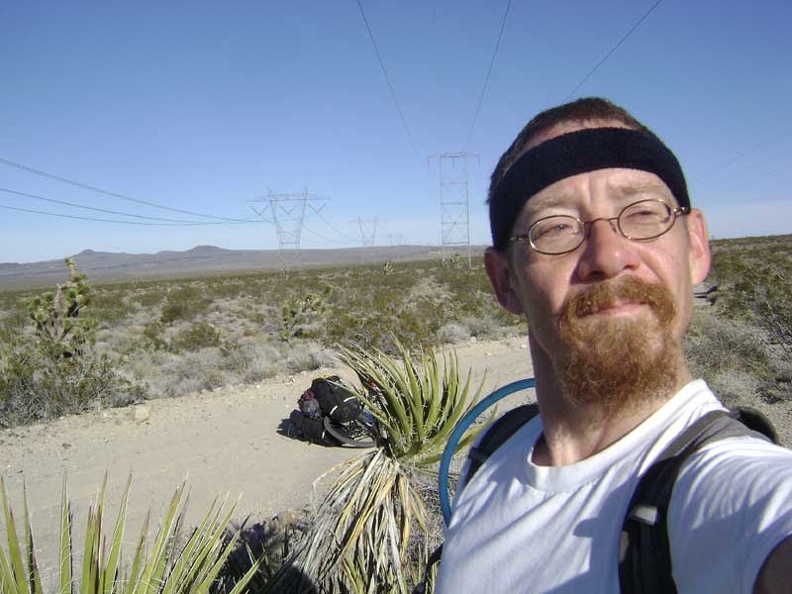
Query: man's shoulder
[[732, 499], [734, 452]]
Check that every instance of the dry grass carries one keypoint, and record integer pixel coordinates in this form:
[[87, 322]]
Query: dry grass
[[741, 344], [173, 337]]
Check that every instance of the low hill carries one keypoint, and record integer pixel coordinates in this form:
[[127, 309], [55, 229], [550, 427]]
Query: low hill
[[200, 259]]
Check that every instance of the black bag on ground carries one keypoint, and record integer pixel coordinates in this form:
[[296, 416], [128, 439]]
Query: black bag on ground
[[336, 400], [312, 430]]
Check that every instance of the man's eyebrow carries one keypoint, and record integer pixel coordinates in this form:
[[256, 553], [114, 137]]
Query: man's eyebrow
[[556, 199], [632, 189], [621, 191]]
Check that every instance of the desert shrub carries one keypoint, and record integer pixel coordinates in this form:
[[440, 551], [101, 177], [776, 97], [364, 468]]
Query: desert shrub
[[153, 336], [736, 358], [196, 336], [300, 313], [453, 333], [179, 374], [34, 387], [147, 296], [183, 303], [109, 304], [265, 361], [235, 357], [308, 356], [754, 279], [456, 261], [51, 368], [749, 333]]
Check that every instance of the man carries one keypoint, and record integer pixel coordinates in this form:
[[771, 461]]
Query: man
[[595, 243]]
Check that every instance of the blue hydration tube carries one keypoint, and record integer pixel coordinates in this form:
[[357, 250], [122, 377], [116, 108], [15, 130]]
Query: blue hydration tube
[[459, 430]]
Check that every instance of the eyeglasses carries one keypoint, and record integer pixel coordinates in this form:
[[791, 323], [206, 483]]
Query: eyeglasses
[[640, 221]]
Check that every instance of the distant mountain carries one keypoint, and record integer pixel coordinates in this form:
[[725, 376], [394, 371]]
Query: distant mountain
[[198, 260]]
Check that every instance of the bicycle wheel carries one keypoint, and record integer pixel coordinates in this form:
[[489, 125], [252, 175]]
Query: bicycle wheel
[[338, 431]]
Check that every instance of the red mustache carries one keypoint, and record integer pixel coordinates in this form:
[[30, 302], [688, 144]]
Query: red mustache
[[609, 293]]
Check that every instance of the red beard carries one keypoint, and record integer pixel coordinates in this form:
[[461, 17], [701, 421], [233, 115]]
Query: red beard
[[619, 364]]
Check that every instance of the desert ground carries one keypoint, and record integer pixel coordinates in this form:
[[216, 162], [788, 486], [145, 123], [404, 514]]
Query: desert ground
[[226, 441]]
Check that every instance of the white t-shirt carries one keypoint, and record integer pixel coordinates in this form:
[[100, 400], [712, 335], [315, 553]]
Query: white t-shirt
[[518, 527]]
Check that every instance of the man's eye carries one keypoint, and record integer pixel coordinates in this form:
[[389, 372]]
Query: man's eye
[[553, 228], [647, 215]]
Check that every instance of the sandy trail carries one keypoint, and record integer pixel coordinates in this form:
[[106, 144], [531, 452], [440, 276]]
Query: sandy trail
[[225, 441]]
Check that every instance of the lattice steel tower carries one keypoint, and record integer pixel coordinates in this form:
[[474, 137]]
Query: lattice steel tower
[[288, 213], [454, 203], [368, 230]]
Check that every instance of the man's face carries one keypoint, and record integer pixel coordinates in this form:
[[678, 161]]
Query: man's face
[[617, 269]]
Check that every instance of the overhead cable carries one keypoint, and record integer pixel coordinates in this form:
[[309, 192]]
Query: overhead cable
[[322, 237], [489, 73], [387, 80], [96, 209], [114, 194], [613, 49], [336, 230], [65, 216]]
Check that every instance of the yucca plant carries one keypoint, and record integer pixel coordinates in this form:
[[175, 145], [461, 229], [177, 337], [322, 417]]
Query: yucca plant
[[166, 569], [372, 529]]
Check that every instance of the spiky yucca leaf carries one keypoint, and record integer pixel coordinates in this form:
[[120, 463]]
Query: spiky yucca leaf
[[34, 580], [359, 539], [417, 403], [190, 570], [14, 576], [373, 517], [64, 554]]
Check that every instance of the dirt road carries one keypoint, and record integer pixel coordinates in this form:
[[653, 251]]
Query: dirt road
[[225, 441]]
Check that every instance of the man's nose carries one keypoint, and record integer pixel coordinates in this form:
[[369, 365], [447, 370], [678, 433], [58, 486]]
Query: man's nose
[[606, 252], [614, 223]]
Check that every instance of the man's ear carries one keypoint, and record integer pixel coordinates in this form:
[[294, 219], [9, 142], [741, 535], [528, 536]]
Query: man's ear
[[502, 278], [699, 256]]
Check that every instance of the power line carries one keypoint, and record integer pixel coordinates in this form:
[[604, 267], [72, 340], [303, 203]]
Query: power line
[[320, 236], [613, 49], [113, 194], [489, 73], [335, 229], [96, 209], [65, 216], [755, 148], [387, 80]]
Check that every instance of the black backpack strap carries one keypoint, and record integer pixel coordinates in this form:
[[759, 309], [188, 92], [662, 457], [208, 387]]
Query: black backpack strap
[[497, 434], [434, 558], [644, 551]]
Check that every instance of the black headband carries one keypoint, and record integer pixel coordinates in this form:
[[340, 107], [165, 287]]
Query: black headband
[[579, 152]]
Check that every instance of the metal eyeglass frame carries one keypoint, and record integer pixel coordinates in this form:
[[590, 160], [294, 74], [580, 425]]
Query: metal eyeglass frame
[[615, 223]]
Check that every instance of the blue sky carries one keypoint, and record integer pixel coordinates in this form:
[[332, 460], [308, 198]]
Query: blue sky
[[202, 107]]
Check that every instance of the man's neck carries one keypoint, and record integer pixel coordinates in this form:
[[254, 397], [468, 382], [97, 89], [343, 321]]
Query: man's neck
[[573, 431], [575, 435]]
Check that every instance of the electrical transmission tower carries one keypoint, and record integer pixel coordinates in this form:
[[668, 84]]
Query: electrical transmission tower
[[287, 212], [454, 203], [368, 230]]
